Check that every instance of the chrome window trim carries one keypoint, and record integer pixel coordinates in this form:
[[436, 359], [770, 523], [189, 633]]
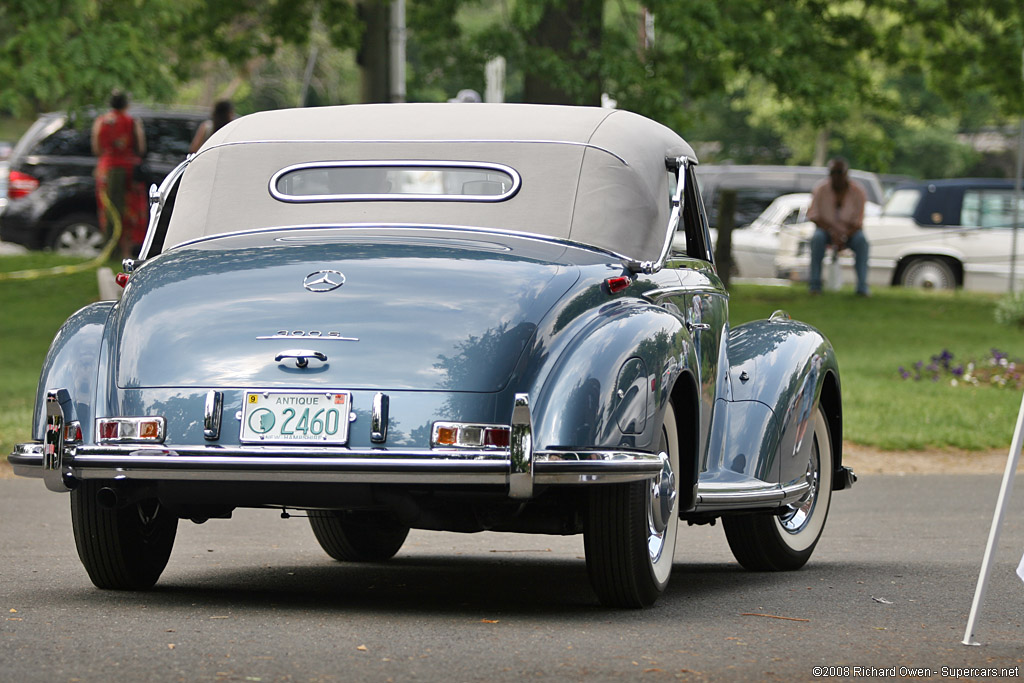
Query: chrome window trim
[[387, 197], [156, 209], [409, 226], [679, 165]]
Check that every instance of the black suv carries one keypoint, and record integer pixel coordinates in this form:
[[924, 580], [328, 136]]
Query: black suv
[[51, 190]]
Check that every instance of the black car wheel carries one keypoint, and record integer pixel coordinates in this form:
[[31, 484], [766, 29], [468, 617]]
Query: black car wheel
[[784, 541], [357, 536], [78, 235], [124, 548], [630, 531]]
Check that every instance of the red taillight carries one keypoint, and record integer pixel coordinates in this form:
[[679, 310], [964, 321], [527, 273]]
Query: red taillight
[[617, 284], [121, 279], [131, 429], [497, 437], [73, 432], [466, 435], [20, 184], [109, 429]]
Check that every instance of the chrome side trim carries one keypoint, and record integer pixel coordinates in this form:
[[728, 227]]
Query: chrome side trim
[[655, 295], [589, 467], [517, 182], [729, 496], [379, 415], [520, 478], [212, 412]]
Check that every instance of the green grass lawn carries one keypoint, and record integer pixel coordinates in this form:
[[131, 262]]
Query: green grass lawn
[[873, 338], [31, 312], [896, 327]]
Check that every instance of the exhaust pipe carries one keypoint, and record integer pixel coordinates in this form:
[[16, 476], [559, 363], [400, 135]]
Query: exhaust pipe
[[115, 497], [108, 499]]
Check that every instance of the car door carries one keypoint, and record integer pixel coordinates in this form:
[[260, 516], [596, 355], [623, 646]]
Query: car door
[[987, 217]]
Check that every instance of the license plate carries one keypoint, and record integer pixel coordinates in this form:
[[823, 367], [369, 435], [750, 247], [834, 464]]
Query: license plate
[[296, 417]]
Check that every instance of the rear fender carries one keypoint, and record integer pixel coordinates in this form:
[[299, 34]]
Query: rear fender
[[785, 366], [73, 363], [609, 386]]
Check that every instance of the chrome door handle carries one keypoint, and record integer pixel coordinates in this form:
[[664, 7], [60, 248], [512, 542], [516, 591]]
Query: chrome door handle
[[697, 326], [301, 356]]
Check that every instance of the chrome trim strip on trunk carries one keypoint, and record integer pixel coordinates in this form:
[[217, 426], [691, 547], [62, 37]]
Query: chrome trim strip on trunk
[[379, 417], [212, 412]]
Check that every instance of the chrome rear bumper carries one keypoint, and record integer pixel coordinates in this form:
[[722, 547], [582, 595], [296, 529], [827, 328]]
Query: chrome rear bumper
[[289, 464]]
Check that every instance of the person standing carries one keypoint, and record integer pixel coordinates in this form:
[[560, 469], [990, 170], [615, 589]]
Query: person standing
[[120, 142], [837, 209], [222, 114]]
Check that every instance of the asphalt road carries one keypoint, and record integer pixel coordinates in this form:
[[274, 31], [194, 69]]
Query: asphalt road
[[255, 599]]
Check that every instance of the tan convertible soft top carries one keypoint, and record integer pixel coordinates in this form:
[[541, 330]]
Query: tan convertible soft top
[[593, 176]]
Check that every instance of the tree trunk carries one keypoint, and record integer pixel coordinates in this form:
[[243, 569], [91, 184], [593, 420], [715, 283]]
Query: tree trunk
[[723, 246], [565, 59], [821, 148], [373, 55]]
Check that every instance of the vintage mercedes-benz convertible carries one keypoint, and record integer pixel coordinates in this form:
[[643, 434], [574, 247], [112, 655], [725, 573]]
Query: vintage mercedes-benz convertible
[[449, 316]]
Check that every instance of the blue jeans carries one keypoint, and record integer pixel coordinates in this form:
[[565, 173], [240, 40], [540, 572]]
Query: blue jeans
[[857, 243]]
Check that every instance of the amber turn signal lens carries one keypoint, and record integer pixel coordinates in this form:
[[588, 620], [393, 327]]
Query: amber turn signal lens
[[447, 436]]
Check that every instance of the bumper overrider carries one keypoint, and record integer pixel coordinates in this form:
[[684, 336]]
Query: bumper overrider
[[61, 464]]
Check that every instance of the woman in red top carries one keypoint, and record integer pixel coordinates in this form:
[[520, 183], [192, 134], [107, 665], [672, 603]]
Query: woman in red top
[[119, 142]]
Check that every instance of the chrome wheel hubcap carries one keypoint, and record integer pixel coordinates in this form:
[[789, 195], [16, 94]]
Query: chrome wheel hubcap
[[80, 239], [930, 276], [663, 496], [795, 517], [661, 508]]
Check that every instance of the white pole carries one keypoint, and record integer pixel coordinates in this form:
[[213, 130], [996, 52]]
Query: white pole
[[1017, 192], [397, 45], [494, 73], [997, 524], [1017, 199]]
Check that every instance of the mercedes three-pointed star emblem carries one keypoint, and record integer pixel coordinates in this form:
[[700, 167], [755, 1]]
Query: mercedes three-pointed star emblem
[[323, 281]]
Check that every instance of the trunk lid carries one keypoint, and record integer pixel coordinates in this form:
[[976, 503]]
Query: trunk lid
[[415, 312]]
